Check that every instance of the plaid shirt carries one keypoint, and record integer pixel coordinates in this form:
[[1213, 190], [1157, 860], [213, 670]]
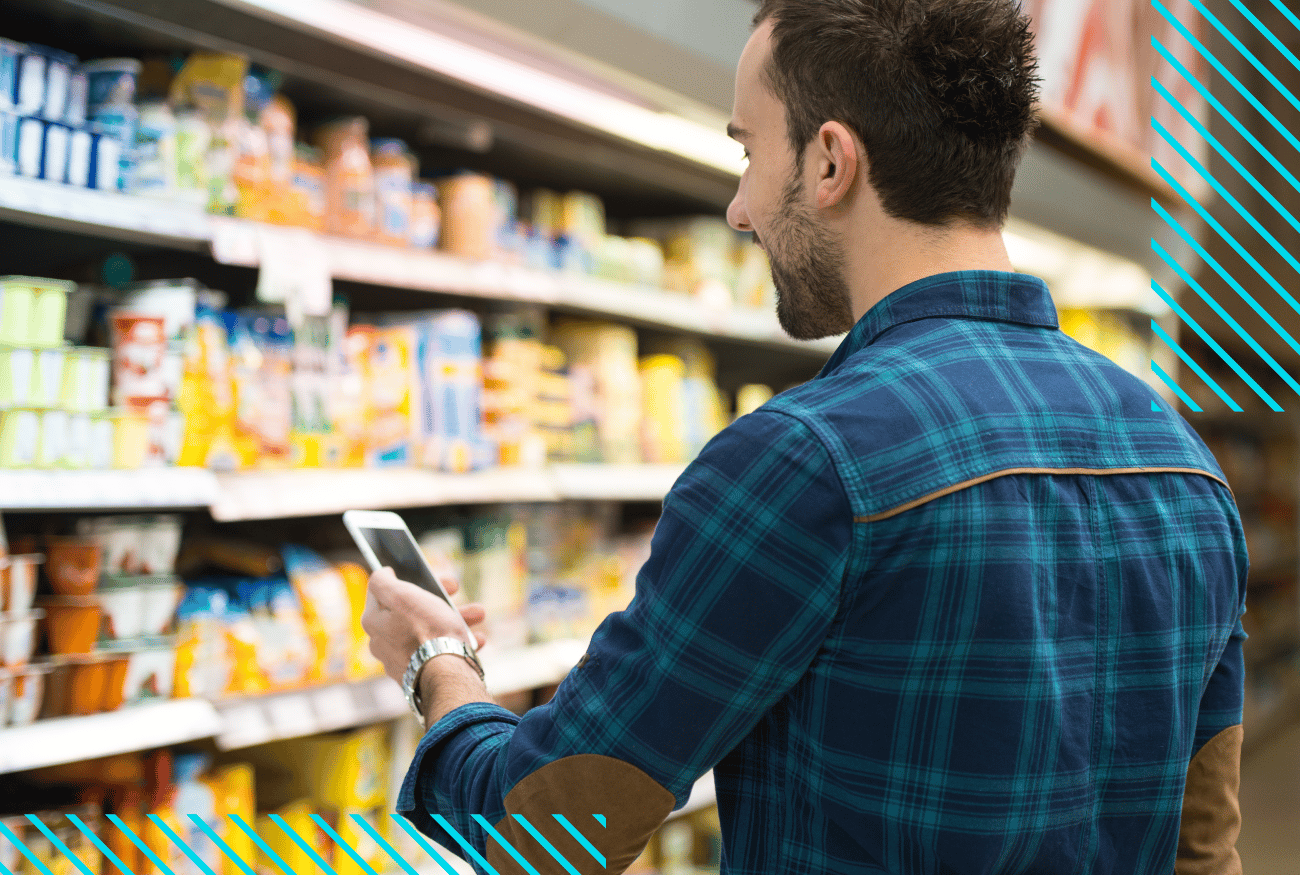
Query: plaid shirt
[[966, 602]]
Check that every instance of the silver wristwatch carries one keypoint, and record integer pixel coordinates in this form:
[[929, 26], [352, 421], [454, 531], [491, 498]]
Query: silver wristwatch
[[426, 651]]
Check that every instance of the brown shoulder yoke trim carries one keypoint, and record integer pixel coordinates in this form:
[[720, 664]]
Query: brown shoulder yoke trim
[[633, 803], [965, 484]]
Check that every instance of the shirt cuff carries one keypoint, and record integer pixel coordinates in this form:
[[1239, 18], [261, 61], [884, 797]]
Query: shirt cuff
[[415, 801]]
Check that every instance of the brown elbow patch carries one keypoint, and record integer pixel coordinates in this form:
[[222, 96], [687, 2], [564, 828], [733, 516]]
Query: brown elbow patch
[[634, 806], [1207, 836]]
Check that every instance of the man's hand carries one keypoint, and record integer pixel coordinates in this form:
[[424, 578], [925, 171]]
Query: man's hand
[[399, 616]]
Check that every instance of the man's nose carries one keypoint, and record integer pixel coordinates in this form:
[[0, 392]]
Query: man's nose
[[737, 216]]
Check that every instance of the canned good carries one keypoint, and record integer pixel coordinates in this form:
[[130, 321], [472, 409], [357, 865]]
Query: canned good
[[17, 375], [110, 81], [105, 163], [20, 434], [54, 157], [8, 142], [31, 146], [80, 148], [101, 441], [78, 96], [77, 451], [10, 53], [47, 376], [29, 92], [53, 444], [58, 71]]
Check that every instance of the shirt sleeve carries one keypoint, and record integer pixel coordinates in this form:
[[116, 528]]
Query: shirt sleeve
[[743, 581]]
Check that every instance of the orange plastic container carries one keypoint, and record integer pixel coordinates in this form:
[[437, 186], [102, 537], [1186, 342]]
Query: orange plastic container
[[87, 687], [73, 565], [73, 624], [115, 681]]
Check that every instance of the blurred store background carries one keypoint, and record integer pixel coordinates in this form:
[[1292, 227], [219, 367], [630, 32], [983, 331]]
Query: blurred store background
[[268, 260]]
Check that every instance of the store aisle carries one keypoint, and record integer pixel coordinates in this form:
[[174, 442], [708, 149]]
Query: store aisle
[[1270, 807]]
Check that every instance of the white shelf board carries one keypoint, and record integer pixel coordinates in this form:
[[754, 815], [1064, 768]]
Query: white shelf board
[[251, 720], [81, 210], [614, 482], [76, 490], [139, 727], [255, 495], [703, 794]]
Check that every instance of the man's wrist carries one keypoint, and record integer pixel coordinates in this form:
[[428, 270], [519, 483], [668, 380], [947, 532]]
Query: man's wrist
[[446, 682]]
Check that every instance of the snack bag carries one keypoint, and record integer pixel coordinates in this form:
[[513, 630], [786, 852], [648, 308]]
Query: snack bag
[[241, 641], [202, 663], [361, 662], [207, 395], [213, 83], [284, 651], [326, 610]]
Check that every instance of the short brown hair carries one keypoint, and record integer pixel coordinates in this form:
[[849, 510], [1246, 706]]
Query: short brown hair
[[942, 94]]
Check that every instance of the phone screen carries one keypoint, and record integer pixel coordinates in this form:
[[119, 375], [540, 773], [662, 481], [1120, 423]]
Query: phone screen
[[394, 548]]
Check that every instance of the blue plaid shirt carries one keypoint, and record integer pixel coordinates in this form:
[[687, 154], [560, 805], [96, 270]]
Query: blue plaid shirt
[[967, 602]]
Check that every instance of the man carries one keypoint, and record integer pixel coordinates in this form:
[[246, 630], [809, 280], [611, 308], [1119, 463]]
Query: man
[[967, 602]]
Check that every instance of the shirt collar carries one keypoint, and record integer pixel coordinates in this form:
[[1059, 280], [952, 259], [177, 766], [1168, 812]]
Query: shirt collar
[[966, 294]]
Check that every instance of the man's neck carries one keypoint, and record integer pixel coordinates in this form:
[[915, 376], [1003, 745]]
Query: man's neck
[[907, 252]]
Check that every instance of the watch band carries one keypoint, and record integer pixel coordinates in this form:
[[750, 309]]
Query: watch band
[[426, 651]]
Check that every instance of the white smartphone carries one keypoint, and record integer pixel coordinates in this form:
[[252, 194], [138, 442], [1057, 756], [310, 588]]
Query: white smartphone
[[385, 541]]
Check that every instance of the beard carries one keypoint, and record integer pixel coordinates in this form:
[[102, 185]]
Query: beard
[[812, 296]]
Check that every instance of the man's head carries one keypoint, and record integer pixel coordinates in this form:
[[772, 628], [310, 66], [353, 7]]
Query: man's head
[[913, 113]]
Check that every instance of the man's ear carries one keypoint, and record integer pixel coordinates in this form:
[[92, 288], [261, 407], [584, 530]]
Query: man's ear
[[835, 155]]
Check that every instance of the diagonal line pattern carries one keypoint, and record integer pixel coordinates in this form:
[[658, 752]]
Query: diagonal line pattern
[[23, 849], [220, 843], [103, 848], [348, 849], [266, 849], [1191, 363], [306, 848], [1268, 34], [1246, 53], [451, 831], [182, 844], [509, 848], [1213, 344], [541, 840], [144, 849], [390, 851], [1160, 372], [58, 843], [582, 840]]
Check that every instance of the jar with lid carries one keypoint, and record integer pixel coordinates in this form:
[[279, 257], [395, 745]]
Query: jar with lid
[[349, 178], [394, 175]]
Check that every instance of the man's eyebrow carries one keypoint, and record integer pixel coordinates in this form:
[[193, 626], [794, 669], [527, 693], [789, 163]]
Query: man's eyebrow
[[737, 133]]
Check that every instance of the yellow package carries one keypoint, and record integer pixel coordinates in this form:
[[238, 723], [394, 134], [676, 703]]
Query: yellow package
[[325, 607], [392, 380], [213, 83], [233, 788], [361, 662], [277, 121], [347, 771], [359, 839], [241, 643], [350, 395], [295, 816], [207, 396], [156, 840]]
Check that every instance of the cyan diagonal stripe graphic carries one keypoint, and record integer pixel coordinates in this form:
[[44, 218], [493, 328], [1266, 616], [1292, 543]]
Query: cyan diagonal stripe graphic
[[5, 870], [1200, 371], [58, 843], [429, 849], [1223, 354], [582, 840], [1241, 332], [1287, 12], [1241, 211], [1226, 114], [1226, 74], [1174, 386], [1226, 155], [1246, 53], [388, 849], [509, 848], [1268, 34], [144, 849], [22, 847], [221, 844], [465, 846], [348, 849], [550, 849], [1230, 240], [266, 849], [103, 848], [182, 844], [298, 840]]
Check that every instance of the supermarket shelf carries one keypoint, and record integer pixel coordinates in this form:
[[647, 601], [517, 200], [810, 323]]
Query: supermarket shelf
[[239, 242], [252, 720], [77, 490], [614, 482], [254, 495], [79, 210], [273, 494], [71, 739]]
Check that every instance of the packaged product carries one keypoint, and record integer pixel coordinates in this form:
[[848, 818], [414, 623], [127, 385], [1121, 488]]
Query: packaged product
[[262, 355], [10, 55], [608, 353], [139, 346], [193, 144], [195, 799], [29, 87], [468, 215], [349, 178], [394, 169], [323, 595], [361, 662], [426, 217], [153, 156], [213, 83], [278, 120], [206, 396], [219, 166], [295, 856], [203, 662], [157, 840], [495, 575], [350, 398], [54, 158], [449, 385], [284, 648], [307, 189], [251, 173], [8, 142], [663, 411], [392, 378], [74, 115], [110, 81], [234, 790]]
